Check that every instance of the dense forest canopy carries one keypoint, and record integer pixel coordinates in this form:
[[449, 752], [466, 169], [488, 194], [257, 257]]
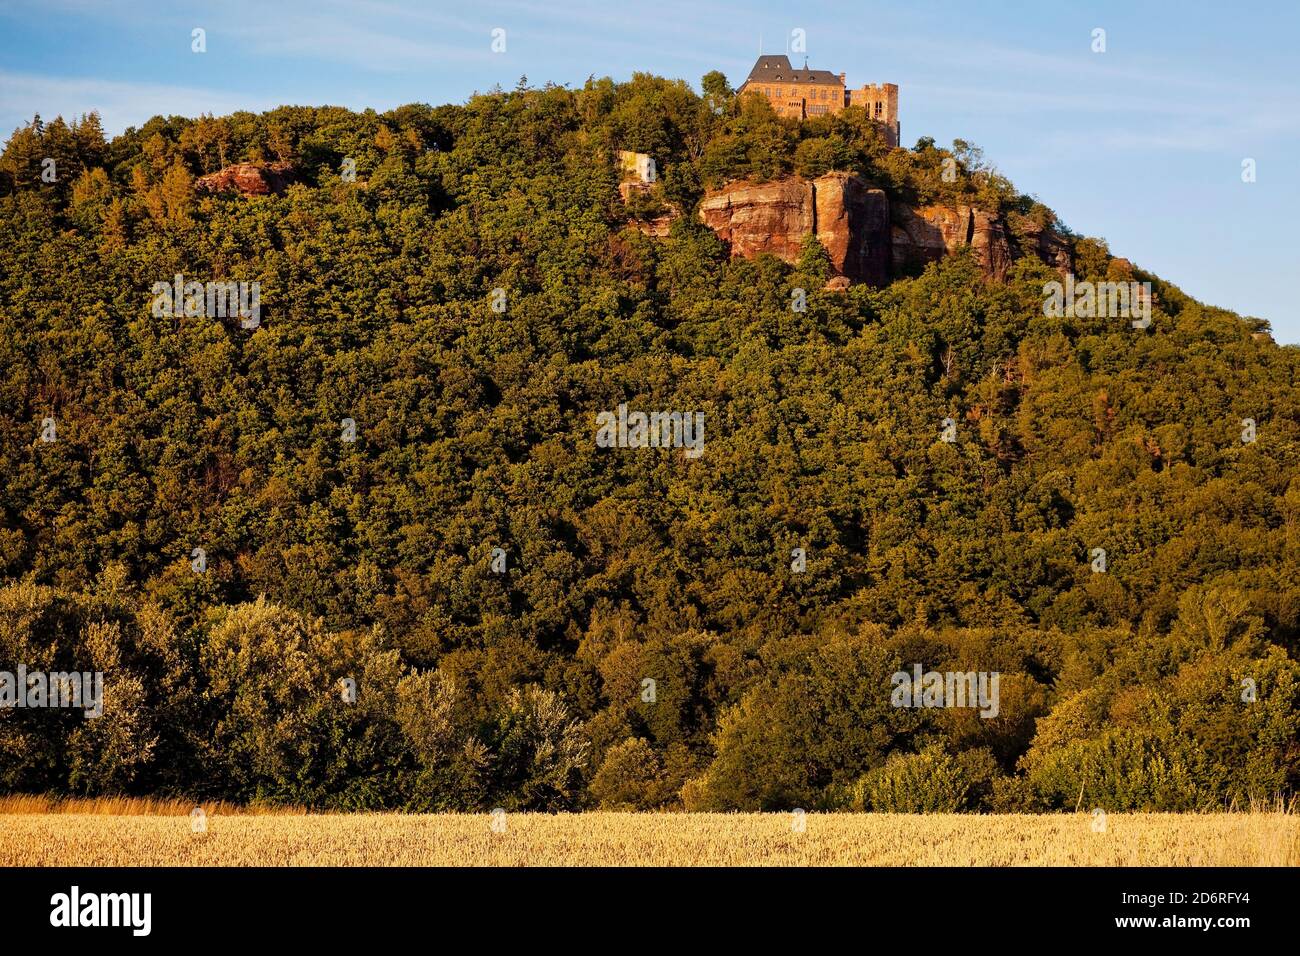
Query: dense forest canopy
[[502, 591]]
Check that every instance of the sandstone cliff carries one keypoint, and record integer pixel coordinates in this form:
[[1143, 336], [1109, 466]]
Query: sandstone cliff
[[866, 239], [852, 223], [849, 219], [248, 179], [924, 235], [766, 217], [660, 226], [1048, 245]]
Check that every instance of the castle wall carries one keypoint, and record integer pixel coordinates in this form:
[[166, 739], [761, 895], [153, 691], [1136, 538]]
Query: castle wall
[[799, 100], [880, 100], [804, 100]]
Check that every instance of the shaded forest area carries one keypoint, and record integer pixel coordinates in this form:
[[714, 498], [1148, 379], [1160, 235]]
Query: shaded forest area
[[372, 561]]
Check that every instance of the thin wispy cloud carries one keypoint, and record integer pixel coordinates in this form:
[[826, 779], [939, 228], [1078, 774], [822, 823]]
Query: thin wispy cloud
[[1191, 91], [120, 104]]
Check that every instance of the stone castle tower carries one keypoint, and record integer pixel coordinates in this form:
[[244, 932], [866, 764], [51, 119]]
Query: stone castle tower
[[804, 93]]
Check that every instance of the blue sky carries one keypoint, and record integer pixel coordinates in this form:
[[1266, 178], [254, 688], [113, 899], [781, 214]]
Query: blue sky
[[1142, 144]]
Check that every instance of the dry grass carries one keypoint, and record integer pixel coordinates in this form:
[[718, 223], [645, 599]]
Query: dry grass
[[626, 839], [129, 806]]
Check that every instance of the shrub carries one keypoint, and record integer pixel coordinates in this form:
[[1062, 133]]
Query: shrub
[[932, 781], [538, 753], [1122, 769], [630, 778], [820, 725]]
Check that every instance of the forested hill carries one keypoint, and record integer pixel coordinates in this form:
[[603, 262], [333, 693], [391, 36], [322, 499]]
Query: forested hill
[[533, 620]]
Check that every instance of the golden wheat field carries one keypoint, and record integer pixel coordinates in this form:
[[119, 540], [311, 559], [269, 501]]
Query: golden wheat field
[[636, 839]]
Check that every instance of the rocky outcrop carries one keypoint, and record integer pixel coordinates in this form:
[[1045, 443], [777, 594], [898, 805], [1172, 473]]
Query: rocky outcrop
[[658, 227], [852, 224], [867, 240], [1047, 244], [849, 219], [767, 217], [248, 179], [925, 235]]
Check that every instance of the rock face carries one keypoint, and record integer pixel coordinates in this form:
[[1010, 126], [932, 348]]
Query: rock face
[[850, 220], [248, 179], [1048, 245], [852, 224], [769, 217], [660, 226], [925, 235], [867, 240]]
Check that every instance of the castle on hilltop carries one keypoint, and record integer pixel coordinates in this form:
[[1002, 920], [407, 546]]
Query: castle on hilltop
[[803, 93]]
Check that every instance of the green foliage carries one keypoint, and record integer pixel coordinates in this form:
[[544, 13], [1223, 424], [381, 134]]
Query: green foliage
[[631, 777], [932, 781], [813, 727], [539, 753], [820, 155], [371, 561], [1202, 718]]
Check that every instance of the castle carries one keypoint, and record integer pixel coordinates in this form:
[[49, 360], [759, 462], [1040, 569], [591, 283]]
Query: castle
[[803, 93]]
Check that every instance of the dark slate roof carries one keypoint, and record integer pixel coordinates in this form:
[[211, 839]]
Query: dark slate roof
[[778, 67]]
